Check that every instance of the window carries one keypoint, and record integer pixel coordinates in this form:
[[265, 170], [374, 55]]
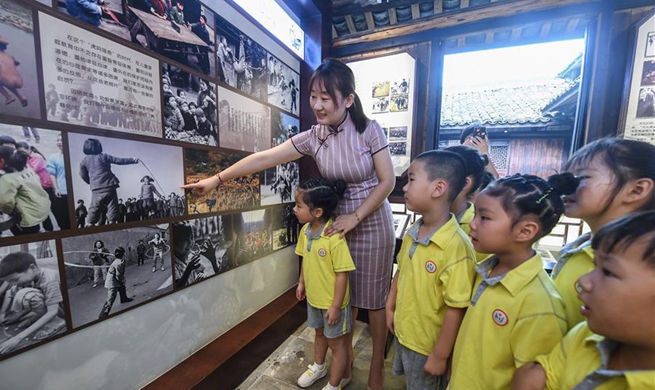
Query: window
[[278, 22]]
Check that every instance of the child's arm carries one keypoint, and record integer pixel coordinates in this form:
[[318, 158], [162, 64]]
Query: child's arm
[[300, 290], [121, 160], [531, 376], [438, 358], [8, 193], [391, 303], [84, 173], [334, 312], [10, 344]]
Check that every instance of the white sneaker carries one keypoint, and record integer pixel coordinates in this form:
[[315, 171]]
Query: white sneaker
[[312, 374], [328, 387]]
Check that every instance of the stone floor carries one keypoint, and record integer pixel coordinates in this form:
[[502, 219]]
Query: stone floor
[[281, 370]]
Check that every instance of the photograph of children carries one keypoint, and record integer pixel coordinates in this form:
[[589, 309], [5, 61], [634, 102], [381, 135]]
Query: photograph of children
[[279, 184], [189, 107], [283, 127], [648, 74], [398, 148], [123, 181], [133, 265], [31, 301], [254, 235], [283, 85], [120, 92], [398, 133], [400, 87], [202, 248], [380, 105], [380, 89], [243, 124], [18, 77], [399, 103], [284, 226], [646, 104], [650, 45], [182, 30], [241, 61], [237, 194], [33, 193]]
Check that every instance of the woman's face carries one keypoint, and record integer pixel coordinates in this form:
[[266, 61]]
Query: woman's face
[[59, 143], [98, 244], [328, 111]]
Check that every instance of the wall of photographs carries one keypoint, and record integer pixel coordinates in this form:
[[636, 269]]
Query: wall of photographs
[[112, 107]]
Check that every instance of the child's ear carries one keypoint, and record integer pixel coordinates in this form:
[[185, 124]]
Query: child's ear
[[526, 230], [317, 212], [439, 188], [639, 191]]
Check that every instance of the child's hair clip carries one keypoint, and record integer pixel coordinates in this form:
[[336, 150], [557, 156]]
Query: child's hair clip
[[545, 195]]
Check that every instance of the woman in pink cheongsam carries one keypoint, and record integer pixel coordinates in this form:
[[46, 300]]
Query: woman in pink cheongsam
[[346, 145]]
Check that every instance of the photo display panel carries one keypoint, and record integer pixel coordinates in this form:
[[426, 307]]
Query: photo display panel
[[243, 123]]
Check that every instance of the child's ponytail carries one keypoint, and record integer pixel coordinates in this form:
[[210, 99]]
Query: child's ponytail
[[319, 192]]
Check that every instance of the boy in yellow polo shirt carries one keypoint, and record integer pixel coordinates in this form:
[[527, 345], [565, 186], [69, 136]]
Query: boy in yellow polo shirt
[[432, 288], [615, 348], [324, 279]]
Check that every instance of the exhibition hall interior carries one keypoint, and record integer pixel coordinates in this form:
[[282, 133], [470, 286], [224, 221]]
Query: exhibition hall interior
[[290, 158]]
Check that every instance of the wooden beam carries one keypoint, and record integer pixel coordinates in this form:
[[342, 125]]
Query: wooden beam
[[571, 25], [515, 35], [369, 20], [334, 32], [455, 18], [545, 29], [416, 12], [438, 7], [350, 24], [392, 16]]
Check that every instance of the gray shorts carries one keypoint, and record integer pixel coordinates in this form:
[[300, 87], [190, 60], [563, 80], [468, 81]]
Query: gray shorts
[[410, 363], [316, 319]]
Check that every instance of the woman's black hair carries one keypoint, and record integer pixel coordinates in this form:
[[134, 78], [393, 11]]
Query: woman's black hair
[[487, 178], [17, 161], [6, 152], [27, 146], [320, 192], [337, 76], [475, 163], [101, 243], [92, 146], [627, 159], [523, 195], [623, 232], [469, 130]]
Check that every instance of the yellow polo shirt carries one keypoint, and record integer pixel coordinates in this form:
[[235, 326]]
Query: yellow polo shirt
[[435, 273], [323, 257], [576, 259], [464, 223], [578, 358], [513, 318]]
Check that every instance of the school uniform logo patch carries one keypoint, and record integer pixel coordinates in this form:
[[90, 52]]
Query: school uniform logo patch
[[430, 266], [322, 252], [499, 317]]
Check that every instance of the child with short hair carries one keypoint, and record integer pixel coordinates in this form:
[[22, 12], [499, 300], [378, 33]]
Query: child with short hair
[[115, 282], [516, 313], [20, 269], [617, 178], [432, 287], [324, 280], [80, 214], [615, 347]]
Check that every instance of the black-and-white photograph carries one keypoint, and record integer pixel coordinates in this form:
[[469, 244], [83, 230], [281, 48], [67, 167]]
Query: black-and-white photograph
[[284, 226], [650, 45], [278, 184], [119, 93], [283, 85], [241, 60], [380, 105], [399, 103], [254, 235], [646, 103], [240, 193], [34, 191], [243, 123], [400, 86], [283, 127], [398, 133], [18, 80], [398, 148], [133, 265], [31, 301], [189, 103], [648, 74], [182, 30], [118, 180], [202, 248]]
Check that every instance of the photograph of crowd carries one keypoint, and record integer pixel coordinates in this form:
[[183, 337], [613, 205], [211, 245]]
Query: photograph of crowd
[[241, 61], [31, 301], [278, 184], [380, 89], [283, 127], [380, 105], [33, 191], [237, 194], [243, 123], [189, 107], [182, 30], [285, 227], [398, 148], [283, 85], [120, 94], [118, 180], [133, 265], [399, 103], [254, 238], [202, 248], [18, 78], [398, 133]]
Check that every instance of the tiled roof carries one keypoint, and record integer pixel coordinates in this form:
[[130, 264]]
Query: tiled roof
[[501, 106]]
